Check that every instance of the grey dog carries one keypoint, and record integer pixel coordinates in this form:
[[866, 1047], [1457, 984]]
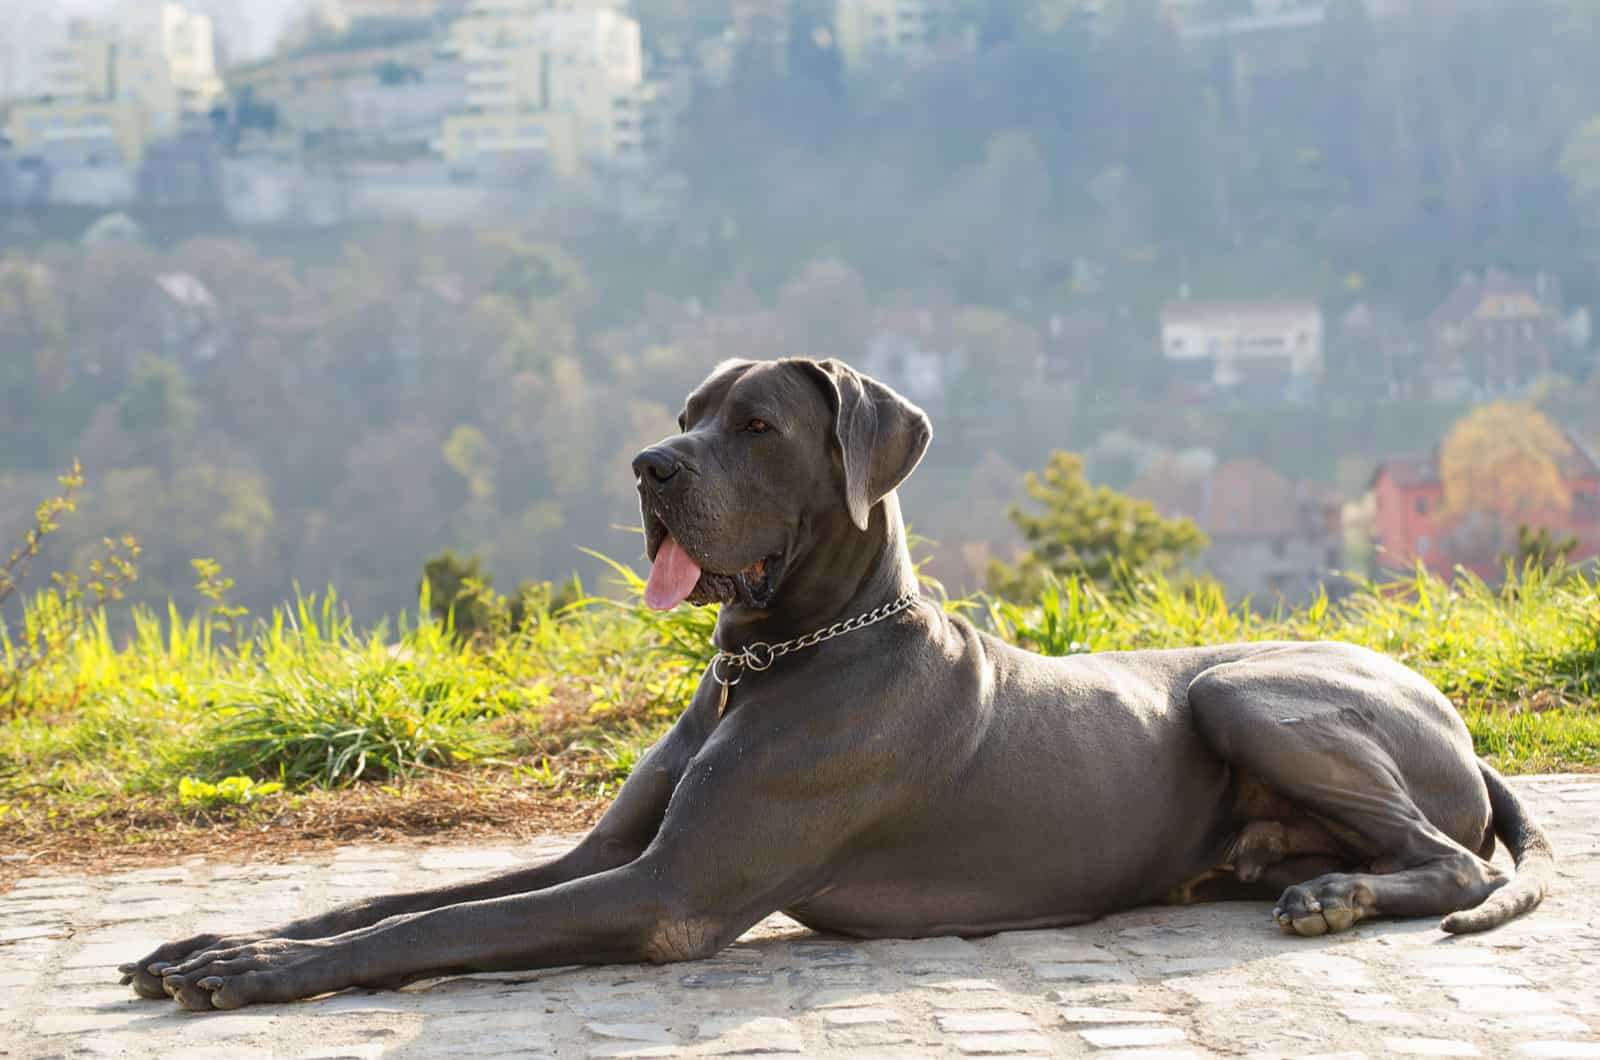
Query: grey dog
[[874, 766]]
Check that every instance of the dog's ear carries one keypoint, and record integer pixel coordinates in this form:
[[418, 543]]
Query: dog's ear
[[881, 435]]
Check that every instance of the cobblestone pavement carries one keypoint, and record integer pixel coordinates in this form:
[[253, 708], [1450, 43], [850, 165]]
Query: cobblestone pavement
[[1198, 981]]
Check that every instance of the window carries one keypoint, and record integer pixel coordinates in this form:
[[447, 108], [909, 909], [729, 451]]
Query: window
[[1423, 544], [1422, 506]]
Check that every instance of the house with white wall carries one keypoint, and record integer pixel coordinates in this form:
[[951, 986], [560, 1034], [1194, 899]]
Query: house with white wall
[[1267, 348]]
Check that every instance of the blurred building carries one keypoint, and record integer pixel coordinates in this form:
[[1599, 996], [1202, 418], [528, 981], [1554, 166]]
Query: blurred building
[[1377, 354], [345, 12], [1412, 524], [394, 96], [1499, 332], [559, 82], [20, 59], [760, 30], [105, 91], [869, 32], [1263, 350], [1271, 539], [180, 319], [909, 349]]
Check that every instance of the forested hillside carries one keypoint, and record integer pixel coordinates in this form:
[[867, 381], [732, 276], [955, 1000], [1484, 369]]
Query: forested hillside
[[335, 406]]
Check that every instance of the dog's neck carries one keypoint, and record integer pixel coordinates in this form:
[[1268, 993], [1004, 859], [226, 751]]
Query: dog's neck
[[843, 572]]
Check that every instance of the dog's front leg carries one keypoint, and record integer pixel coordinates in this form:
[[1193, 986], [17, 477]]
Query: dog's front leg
[[623, 833], [626, 914]]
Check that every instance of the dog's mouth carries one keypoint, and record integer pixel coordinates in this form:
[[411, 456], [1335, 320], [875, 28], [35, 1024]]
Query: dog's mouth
[[676, 576]]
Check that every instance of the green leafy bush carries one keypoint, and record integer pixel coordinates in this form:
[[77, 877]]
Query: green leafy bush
[[230, 791]]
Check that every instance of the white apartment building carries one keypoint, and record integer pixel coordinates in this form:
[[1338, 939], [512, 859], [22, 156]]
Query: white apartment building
[[562, 81], [1226, 344], [873, 31], [103, 92], [22, 29], [346, 11]]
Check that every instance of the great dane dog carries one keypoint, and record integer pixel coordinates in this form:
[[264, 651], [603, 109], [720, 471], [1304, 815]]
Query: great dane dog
[[874, 766]]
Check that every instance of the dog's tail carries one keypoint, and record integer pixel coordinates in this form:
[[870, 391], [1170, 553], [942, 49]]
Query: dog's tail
[[1530, 849]]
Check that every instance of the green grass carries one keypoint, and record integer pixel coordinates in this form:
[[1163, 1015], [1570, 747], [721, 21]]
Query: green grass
[[170, 716]]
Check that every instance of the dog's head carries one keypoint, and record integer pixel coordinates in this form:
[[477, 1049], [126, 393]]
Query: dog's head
[[768, 453]]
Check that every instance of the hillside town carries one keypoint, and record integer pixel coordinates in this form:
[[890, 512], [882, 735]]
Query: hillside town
[[589, 116], [426, 109]]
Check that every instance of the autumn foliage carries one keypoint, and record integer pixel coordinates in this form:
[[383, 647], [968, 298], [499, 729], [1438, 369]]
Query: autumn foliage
[[1505, 458]]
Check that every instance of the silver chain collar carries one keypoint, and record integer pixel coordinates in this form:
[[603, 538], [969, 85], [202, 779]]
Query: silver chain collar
[[728, 668]]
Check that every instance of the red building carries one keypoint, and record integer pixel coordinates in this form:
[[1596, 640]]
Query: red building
[[1411, 522]]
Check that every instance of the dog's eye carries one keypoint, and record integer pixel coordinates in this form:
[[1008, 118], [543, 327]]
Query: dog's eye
[[757, 427]]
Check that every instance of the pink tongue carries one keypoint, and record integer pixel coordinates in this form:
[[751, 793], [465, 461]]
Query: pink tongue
[[672, 578]]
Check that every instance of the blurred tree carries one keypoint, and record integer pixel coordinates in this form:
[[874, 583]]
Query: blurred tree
[[36, 373], [247, 280], [470, 455], [229, 507], [1343, 75], [392, 506], [999, 360], [156, 408], [1539, 548], [1161, 128], [530, 270], [109, 283], [1580, 167], [461, 593], [828, 309], [33, 326], [1090, 532], [1504, 458]]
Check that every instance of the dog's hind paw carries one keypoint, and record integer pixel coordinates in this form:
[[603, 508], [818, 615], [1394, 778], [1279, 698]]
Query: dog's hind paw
[[1325, 905]]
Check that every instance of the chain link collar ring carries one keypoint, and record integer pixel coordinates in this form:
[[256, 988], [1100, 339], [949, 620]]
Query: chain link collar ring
[[728, 667]]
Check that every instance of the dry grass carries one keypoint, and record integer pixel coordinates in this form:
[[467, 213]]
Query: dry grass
[[487, 806]]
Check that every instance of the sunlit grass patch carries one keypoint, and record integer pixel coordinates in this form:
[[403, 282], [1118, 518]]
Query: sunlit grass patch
[[568, 703]]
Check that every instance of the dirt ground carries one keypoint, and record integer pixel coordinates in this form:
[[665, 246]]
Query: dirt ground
[[130, 833]]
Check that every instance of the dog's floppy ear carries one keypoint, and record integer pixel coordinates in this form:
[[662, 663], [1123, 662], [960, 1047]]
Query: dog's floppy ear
[[881, 435]]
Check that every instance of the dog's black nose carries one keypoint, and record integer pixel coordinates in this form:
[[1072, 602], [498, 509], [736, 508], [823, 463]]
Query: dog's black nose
[[656, 462]]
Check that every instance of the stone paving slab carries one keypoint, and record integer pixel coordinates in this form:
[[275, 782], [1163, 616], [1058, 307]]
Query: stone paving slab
[[1199, 981]]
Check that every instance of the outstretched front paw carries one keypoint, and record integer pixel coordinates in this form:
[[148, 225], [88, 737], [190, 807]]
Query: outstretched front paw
[[144, 975], [267, 970], [215, 971]]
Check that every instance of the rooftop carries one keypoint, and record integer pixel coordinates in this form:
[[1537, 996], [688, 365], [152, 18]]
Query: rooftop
[[1472, 289], [1239, 499], [1415, 471], [1189, 310]]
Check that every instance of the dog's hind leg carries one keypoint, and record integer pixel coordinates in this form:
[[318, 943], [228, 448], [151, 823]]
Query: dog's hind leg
[[1356, 740]]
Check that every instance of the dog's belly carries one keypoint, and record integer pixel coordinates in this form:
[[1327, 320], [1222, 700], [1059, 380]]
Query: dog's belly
[[1077, 801], [962, 878], [999, 860], [919, 914]]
